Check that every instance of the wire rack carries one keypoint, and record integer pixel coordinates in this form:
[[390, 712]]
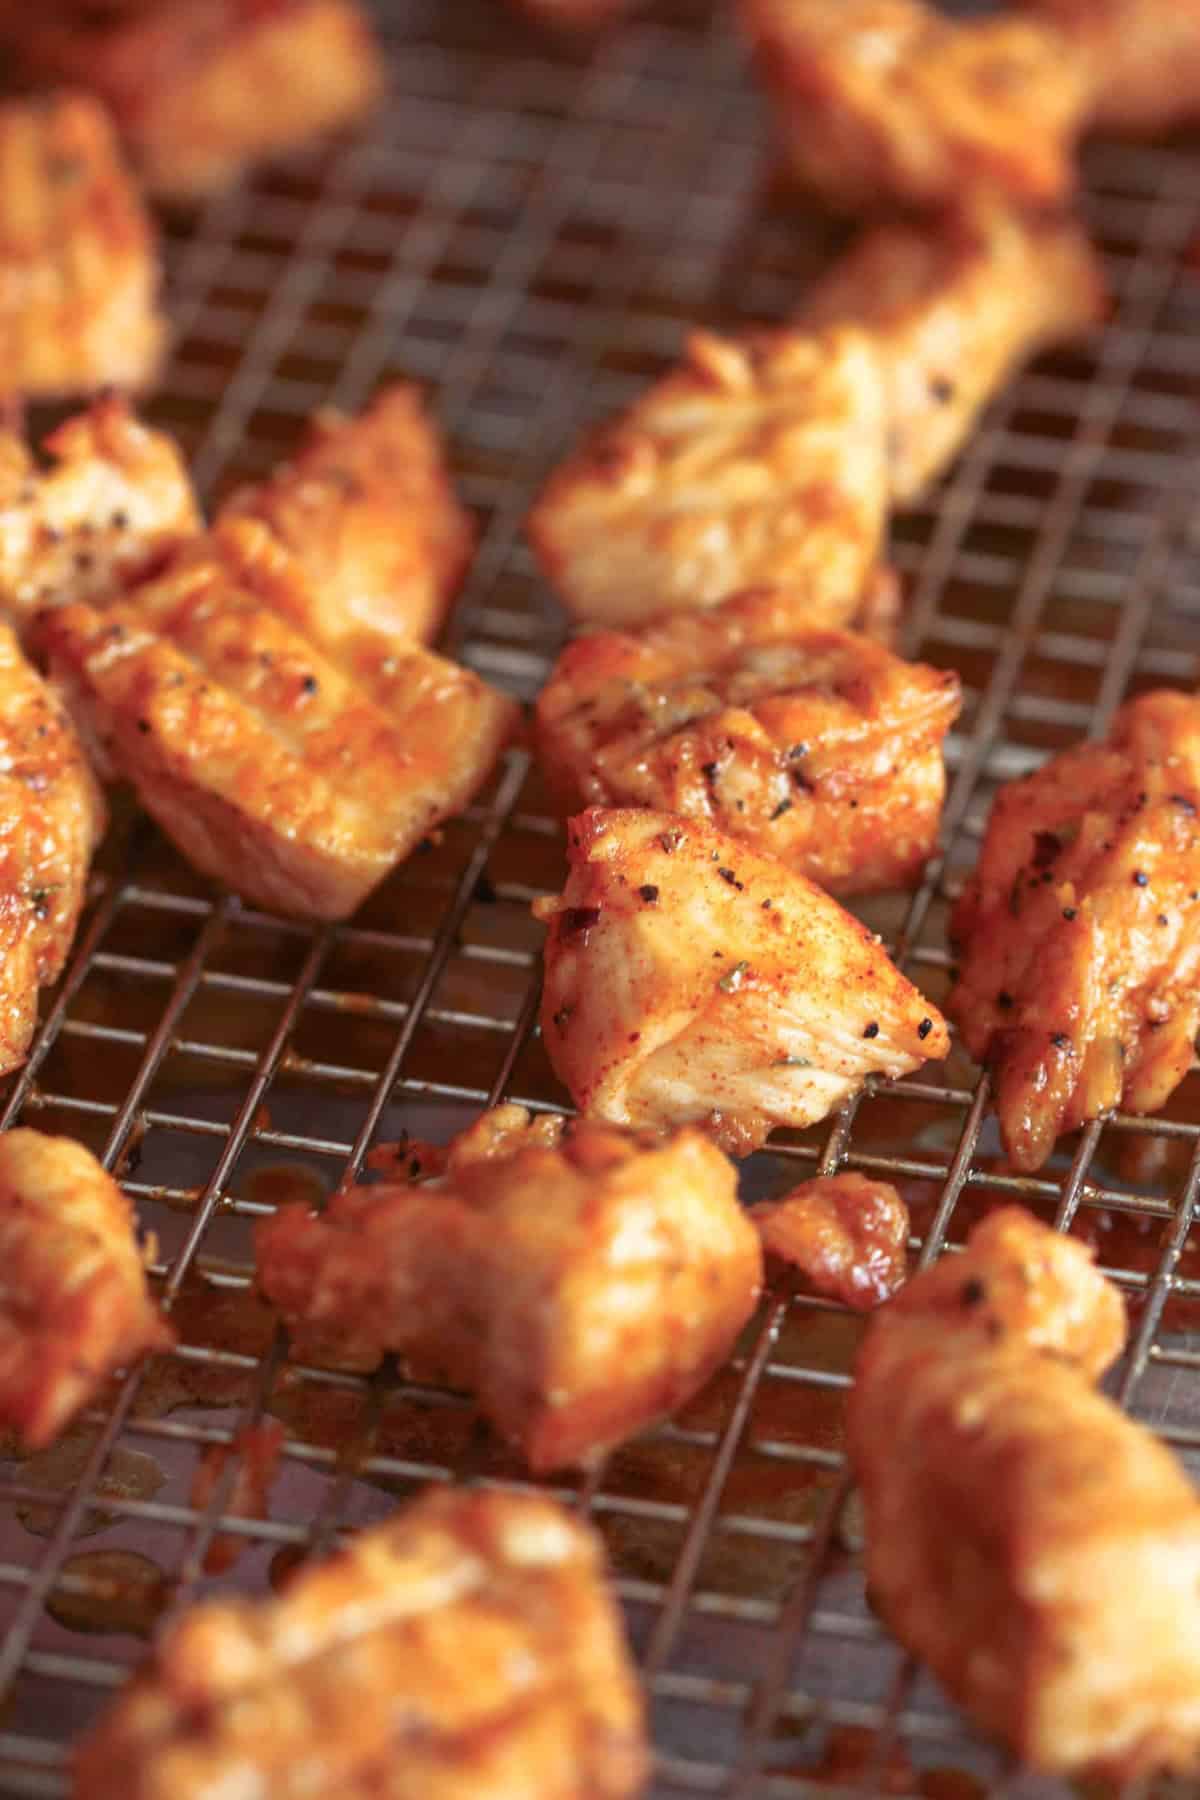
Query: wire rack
[[527, 228]]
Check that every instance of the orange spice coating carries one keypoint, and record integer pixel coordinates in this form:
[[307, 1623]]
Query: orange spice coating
[[74, 1305], [78, 255], [466, 1648], [367, 508], [1079, 975], [691, 980], [200, 89], [817, 746], [847, 1234], [581, 1281], [891, 101], [1143, 58]]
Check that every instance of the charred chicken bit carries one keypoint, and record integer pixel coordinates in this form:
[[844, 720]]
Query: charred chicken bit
[[846, 1234], [1036, 1547], [582, 1282], [466, 1648], [692, 980], [1080, 930], [814, 745]]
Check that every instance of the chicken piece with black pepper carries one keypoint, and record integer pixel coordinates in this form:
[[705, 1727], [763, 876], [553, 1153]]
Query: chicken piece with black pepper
[[955, 307], [881, 102], [846, 1234], [200, 89], [816, 746], [1079, 980], [580, 1281], [298, 785], [1143, 56], [758, 461], [54, 818], [692, 980], [74, 1305], [367, 508], [79, 269], [1036, 1547], [106, 508], [466, 1649]]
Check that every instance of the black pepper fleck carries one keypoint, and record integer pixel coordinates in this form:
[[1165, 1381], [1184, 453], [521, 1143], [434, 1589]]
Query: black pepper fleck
[[580, 918], [649, 894], [924, 1028], [1060, 1040], [785, 806], [973, 1292], [729, 876], [1069, 912], [309, 684], [871, 1030], [1004, 999], [1140, 878]]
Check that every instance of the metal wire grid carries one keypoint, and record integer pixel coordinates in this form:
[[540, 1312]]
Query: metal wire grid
[[527, 228]]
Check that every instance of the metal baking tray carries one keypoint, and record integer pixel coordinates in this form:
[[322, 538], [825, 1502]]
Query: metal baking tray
[[528, 227]]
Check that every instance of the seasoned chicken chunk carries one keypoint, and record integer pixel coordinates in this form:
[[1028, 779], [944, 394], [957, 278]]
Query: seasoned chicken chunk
[[846, 1234], [817, 746], [955, 308], [759, 461], [1036, 1547], [202, 88], [272, 769], [466, 1649], [1143, 57], [111, 505], [53, 820], [580, 1281], [74, 1305], [367, 508], [690, 979], [78, 256], [1080, 930], [890, 101]]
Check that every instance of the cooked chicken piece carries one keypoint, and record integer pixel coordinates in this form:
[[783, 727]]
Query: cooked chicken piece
[[368, 509], [114, 501], [1143, 57], [54, 818], [690, 979], [817, 746], [890, 101], [273, 770], [1038, 1549], [581, 1281], [257, 1451], [467, 1649], [78, 256], [955, 308], [758, 461], [846, 1234], [74, 1305], [202, 88], [1080, 930]]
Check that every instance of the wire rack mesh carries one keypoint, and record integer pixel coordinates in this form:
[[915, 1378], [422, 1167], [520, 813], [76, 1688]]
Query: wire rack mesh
[[527, 228]]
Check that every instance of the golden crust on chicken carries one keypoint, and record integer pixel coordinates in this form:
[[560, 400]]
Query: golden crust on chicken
[[582, 1282], [816, 746], [1037, 1548], [366, 506], [880, 101], [846, 1234], [272, 769], [1079, 978], [78, 256], [467, 1647], [955, 307], [54, 819], [111, 505], [691, 980], [74, 1305], [1143, 57], [758, 461], [202, 88]]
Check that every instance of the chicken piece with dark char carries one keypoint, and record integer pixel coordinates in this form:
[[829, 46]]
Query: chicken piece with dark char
[[816, 746], [690, 979], [579, 1280], [1079, 932]]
